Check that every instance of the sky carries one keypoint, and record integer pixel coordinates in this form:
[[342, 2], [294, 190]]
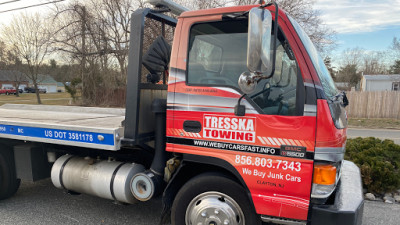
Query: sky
[[368, 24]]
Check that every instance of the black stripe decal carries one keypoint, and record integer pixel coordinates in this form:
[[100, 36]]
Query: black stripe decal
[[265, 150], [62, 171], [112, 181]]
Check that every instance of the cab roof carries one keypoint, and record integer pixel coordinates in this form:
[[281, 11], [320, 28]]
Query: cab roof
[[215, 11]]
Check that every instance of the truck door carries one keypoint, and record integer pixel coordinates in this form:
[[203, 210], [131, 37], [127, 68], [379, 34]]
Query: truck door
[[271, 147]]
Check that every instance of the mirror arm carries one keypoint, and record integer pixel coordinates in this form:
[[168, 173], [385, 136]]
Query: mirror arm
[[240, 110]]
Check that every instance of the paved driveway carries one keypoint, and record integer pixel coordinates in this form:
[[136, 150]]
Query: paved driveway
[[379, 213], [42, 203], [378, 133]]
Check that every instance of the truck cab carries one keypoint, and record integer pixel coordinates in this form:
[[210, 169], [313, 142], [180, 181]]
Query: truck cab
[[289, 143]]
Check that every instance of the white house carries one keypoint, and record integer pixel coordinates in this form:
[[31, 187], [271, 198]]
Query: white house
[[46, 82], [380, 82]]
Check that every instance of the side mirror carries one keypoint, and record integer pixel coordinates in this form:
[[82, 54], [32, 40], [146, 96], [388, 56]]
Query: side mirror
[[247, 82], [259, 40]]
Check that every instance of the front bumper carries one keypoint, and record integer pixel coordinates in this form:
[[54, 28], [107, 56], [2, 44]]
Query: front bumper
[[349, 202]]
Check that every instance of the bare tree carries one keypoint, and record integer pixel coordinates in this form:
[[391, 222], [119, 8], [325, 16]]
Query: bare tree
[[95, 34], [374, 63], [14, 67], [29, 37], [368, 62], [208, 4], [114, 15], [72, 37], [308, 18], [195, 5], [2, 54], [350, 66], [352, 56], [395, 47]]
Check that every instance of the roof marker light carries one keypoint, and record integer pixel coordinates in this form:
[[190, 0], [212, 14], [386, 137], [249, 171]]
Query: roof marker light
[[174, 7]]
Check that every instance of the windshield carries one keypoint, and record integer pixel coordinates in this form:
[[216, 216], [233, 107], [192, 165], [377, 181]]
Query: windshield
[[328, 85]]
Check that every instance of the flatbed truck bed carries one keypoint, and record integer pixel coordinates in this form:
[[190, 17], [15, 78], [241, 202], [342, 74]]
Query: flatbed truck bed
[[91, 127]]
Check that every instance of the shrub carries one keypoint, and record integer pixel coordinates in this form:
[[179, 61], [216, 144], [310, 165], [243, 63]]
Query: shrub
[[379, 162]]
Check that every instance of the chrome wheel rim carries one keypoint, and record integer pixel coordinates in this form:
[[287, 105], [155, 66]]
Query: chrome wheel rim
[[214, 208]]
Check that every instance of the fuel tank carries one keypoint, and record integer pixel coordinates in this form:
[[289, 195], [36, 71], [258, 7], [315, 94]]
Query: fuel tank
[[101, 178]]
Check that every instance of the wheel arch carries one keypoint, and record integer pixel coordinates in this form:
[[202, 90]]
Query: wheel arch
[[194, 165]]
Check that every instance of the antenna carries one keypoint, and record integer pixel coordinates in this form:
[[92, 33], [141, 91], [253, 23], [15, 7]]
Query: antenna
[[174, 7]]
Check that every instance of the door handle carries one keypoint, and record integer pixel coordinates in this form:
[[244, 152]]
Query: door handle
[[192, 126]]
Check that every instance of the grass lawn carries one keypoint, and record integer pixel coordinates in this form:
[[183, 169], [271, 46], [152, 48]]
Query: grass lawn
[[375, 123], [30, 98]]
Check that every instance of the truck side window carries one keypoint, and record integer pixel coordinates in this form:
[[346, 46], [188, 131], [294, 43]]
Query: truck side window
[[277, 95], [206, 54], [218, 55]]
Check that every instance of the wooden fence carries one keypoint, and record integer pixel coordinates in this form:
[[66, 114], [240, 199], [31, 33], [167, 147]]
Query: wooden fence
[[377, 104]]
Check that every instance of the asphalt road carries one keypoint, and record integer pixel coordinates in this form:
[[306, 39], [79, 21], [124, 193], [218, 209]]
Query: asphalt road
[[378, 133], [42, 203], [379, 213]]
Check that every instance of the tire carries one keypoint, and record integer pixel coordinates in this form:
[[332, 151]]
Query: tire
[[9, 183], [211, 197]]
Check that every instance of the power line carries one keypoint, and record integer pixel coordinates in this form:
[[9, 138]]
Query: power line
[[2, 3], [31, 6]]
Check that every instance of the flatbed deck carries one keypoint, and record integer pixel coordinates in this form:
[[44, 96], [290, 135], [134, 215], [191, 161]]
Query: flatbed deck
[[91, 127]]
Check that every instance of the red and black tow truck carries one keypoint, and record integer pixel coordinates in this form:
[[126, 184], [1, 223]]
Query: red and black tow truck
[[238, 122]]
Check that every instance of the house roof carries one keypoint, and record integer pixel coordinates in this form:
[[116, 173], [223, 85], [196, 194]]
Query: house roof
[[9, 75], [391, 77], [45, 79]]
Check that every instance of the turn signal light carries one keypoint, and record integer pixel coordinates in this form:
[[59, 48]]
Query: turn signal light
[[324, 174], [324, 181]]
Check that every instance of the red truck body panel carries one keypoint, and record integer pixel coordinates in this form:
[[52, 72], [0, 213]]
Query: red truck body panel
[[254, 145], [328, 136]]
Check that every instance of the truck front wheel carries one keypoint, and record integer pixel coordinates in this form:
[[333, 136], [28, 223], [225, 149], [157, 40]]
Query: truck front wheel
[[9, 184], [212, 199]]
